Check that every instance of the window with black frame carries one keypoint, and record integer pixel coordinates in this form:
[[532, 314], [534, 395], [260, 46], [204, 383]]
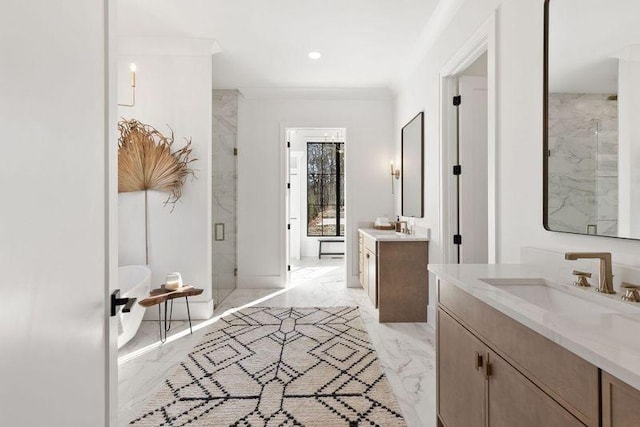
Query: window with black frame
[[325, 189]]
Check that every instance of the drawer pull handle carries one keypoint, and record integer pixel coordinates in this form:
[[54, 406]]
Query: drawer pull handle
[[478, 361], [488, 369]]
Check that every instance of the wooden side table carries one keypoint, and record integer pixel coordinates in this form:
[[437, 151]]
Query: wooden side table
[[164, 295]]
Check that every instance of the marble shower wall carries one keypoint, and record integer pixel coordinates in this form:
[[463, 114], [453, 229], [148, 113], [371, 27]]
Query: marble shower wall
[[225, 200], [583, 163]]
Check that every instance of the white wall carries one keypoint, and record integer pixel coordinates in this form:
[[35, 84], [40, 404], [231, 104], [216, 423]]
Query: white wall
[[421, 91], [53, 223], [519, 146], [176, 91], [263, 116]]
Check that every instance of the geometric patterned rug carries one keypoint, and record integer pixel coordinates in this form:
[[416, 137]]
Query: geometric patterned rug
[[266, 366]]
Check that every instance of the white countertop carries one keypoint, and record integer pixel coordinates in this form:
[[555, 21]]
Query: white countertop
[[610, 341], [392, 236]]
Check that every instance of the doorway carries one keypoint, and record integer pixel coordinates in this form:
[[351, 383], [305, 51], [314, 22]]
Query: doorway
[[316, 205], [468, 192], [472, 169]]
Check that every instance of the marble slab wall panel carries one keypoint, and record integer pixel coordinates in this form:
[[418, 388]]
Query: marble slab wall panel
[[607, 174], [225, 131], [583, 163]]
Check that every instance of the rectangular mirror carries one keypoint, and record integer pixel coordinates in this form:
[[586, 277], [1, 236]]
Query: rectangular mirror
[[592, 117], [412, 167]]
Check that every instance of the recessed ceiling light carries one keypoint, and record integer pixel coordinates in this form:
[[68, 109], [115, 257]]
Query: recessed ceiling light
[[314, 55]]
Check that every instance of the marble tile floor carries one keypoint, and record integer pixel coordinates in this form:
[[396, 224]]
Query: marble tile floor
[[406, 351]]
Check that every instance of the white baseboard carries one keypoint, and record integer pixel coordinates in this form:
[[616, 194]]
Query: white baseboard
[[260, 282], [200, 310], [354, 282], [431, 315]]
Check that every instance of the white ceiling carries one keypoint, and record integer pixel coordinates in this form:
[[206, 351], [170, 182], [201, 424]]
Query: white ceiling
[[265, 43], [584, 35]]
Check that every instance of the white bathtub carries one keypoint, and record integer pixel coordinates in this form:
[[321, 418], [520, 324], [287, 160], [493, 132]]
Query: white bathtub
[[134, 281]]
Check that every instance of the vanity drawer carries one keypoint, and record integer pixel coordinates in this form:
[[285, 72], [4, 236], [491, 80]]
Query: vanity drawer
[[569, 379], [370, 244]]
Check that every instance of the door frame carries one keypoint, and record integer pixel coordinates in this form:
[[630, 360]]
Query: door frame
[[298, 157], [111, 213], [284, 179], [484, 40]]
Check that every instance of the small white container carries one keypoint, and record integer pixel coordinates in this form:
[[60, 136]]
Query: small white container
[[173, 281]]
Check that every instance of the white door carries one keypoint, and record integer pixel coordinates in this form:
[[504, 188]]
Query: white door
[[54, 214], [474, 218]]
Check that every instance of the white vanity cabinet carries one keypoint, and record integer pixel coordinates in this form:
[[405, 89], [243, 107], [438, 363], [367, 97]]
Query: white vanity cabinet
[[368, 267], [361, 254]]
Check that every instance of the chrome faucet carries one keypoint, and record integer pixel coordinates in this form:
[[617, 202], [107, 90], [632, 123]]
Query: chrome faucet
[[605, 279]]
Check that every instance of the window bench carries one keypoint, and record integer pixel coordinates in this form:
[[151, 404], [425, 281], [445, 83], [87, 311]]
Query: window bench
[[321, 241]]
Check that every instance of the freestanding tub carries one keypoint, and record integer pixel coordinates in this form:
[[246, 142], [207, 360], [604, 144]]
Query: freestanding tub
[[134, 281]]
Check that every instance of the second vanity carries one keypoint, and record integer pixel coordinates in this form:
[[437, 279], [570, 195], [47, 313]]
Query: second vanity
[[517, 347], [393, 272]]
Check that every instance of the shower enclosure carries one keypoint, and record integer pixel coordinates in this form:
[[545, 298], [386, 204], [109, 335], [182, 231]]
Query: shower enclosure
[[225, 178], [583, 163]]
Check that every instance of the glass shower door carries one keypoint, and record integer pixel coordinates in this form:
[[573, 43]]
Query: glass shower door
[[572, 164], [225, 179]]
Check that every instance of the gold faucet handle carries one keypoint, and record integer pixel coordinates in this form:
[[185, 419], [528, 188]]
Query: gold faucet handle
[[581, 278], [581, 273], [632, 292]]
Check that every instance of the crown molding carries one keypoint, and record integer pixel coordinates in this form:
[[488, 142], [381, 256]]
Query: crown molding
[[352, 94], [170, 46]]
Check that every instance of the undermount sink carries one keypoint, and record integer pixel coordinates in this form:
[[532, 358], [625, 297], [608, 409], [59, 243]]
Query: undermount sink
[[556, 298]]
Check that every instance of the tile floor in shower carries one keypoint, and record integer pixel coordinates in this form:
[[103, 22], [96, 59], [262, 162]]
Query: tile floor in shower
[[406, 351]]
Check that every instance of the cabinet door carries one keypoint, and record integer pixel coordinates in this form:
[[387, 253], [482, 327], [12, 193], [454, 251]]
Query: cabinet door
[[372, 277], [571, 381], [460, 375], [365, 269], [620, 403], [403, 281], [361, 264], [516, 401]]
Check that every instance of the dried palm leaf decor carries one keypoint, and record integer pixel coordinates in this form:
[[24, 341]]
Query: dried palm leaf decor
[[146, 162]]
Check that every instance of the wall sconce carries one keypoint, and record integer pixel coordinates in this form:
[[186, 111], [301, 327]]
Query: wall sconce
[[395, 173], [132, 68]]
